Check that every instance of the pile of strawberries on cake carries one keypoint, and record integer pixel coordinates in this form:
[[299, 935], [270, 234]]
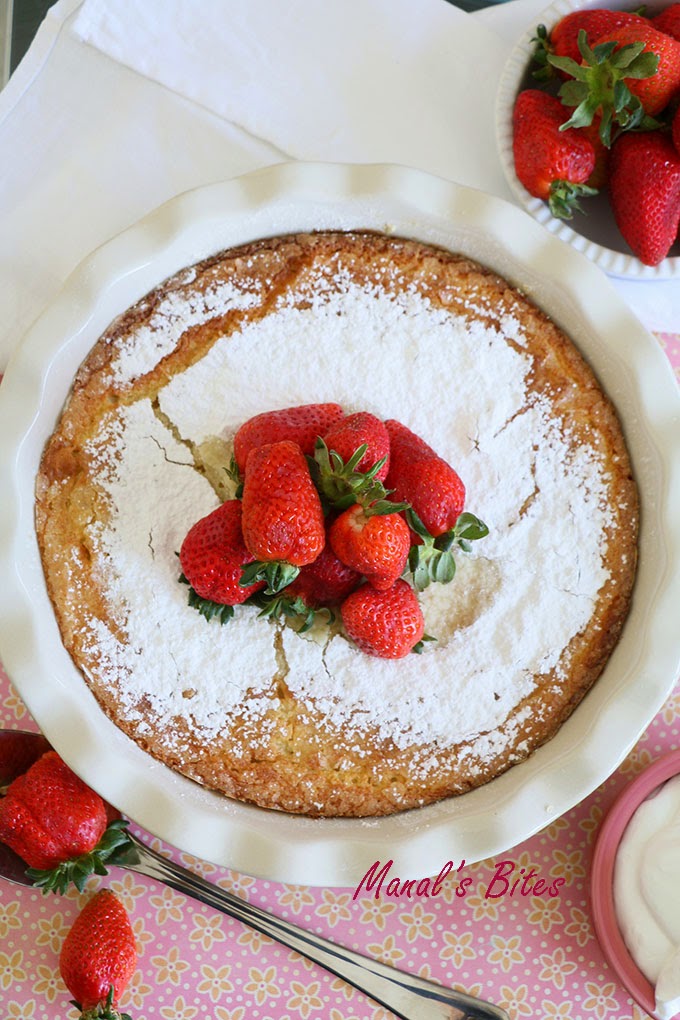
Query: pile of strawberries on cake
[[605, 114], [331, 510]]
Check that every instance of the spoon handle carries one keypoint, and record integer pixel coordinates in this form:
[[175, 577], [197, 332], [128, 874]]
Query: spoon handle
[[406, 995]]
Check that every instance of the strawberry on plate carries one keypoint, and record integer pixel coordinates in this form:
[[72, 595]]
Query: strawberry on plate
[[388, 624], [325, 582], [283, 522], [99, 957], [644, 192], [212, 557], [59, 826], [373, 542], [420, 477], [361, 429], [301, 424]]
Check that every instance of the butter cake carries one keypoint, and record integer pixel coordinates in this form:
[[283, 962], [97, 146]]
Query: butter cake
[[307, 723]]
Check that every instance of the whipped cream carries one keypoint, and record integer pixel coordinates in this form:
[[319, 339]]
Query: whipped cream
[[518, 599], [647, 893]]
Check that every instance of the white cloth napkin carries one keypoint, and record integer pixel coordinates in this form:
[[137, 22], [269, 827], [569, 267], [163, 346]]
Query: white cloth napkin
[[121, 104], [398, 81]]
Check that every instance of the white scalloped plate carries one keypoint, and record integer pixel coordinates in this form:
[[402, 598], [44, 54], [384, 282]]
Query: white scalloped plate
[[634, 371], [596, 233]]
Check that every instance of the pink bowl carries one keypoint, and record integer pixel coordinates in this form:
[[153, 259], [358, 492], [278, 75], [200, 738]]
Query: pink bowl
[[602, 876]]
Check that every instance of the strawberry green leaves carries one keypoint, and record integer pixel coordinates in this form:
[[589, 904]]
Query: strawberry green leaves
[[112, 848], [290, 607], [433, 559], [564, 198], [219, 611], [341, 484], [277, 574], [597, 86]]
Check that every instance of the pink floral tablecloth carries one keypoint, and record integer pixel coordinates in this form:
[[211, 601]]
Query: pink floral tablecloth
[[535, 955]]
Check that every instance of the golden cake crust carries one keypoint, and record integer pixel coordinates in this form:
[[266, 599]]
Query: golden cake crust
[[288, 755]]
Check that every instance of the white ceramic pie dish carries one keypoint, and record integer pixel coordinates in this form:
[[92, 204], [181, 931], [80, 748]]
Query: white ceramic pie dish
[[595, 233], [628, 361]]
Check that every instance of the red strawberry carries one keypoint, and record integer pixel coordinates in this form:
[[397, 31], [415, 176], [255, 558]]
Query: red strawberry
[[552, 164], [668, 21], [99, 957], [374, 543], [644, 191], [595, 23], [300, 425], [325, 582], [357, 430], [388, 624], [58, 825], [656, 90], [283, 524], [18, 751], [213, 555], [422, 478], [619, 80]]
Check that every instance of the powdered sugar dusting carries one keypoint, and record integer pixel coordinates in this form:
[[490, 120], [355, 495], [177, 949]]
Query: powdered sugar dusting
[[150, 343], [517, 602], [170, 658]]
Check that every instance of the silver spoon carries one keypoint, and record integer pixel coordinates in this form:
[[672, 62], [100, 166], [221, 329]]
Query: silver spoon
[[407, 996]]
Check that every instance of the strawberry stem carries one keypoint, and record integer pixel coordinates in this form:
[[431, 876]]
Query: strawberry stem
[[104, 1011], [341, 485], [207, 607], [564, 198], [277, 574], [598, 85], [433, 560], [291, 607]]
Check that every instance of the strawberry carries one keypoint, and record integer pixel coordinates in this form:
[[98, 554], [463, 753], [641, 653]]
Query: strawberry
[[212, 557], [644, 192], [301, 425], [552, 164], [283, 523], [373, 542], [58, 826], [668, 21], [625, 78], [420, 477], [388, 623], [654, 91], [99, 957], [325, 582], [562, 41], [357, 430], [18, 751]]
